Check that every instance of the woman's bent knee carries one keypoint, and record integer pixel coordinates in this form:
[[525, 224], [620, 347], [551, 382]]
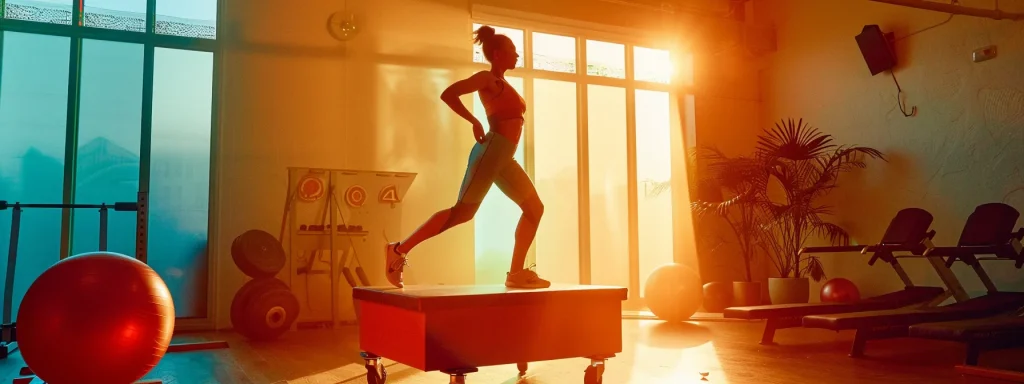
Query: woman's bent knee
[[461, 213], [533, 208]]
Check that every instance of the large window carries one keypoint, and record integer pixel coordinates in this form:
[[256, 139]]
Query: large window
[[110, 101], [33, 104], [609, 185], [109, 140], [180, 175], [598, 147], [555, 172], [186, 18]]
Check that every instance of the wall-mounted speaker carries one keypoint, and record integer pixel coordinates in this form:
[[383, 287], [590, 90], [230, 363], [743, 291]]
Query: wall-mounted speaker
[[876, 47]]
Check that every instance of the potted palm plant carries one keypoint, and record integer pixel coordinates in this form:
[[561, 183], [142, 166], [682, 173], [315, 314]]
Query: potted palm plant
[[730, 190], [801, 166]]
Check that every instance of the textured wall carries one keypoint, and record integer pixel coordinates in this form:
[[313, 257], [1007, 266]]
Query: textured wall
[[965, 146]]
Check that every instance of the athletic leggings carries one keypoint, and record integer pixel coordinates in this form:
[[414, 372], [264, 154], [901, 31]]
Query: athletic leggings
[[493, 162]]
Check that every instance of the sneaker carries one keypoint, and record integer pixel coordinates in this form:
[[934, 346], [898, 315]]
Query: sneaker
[[525, 278], [394, 264]]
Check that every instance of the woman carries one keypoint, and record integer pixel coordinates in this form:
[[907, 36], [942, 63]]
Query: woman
[[491, 162]]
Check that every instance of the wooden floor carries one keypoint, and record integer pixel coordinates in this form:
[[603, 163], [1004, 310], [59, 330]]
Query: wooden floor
[[654, 353]]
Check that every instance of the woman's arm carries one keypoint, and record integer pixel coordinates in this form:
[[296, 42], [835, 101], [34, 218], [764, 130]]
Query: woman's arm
[[450, 96]]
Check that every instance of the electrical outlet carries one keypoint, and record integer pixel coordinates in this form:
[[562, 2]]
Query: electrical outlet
[[983, 54]]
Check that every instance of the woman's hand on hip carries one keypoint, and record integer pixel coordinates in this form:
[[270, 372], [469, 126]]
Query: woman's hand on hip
[[478, 131]]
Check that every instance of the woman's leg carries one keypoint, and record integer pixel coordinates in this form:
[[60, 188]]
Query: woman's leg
[[516, 184], [485, 162], [437, 224]]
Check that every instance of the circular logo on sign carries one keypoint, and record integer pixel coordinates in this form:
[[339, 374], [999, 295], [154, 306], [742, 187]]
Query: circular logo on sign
[[355, 196], [311, 188]]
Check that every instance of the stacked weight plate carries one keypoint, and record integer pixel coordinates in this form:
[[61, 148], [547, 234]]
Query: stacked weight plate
[[264, 308]]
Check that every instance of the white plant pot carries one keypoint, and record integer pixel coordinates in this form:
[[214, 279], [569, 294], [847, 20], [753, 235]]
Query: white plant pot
[[789, 290]]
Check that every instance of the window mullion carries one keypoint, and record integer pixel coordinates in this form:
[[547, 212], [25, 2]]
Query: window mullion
[[528, 149], [583, 162], [71, 143], [145, 153], [150, 17], [528, 49], [2, 33], [76, 13], [631, 179]]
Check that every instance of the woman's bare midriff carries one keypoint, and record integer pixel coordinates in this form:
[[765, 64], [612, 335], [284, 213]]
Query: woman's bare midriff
[[510, 128]]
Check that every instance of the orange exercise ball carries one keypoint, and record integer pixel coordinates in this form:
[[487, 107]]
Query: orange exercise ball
[[95, 318], [839, 290], [673, 292]]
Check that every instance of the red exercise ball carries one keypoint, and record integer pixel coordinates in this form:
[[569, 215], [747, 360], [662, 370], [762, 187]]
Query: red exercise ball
[[95, 318], [839, 290], [717, 296]]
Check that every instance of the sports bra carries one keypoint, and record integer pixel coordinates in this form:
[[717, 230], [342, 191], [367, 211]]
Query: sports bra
[[506, 105]]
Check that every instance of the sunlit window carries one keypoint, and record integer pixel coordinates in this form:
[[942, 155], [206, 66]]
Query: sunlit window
[[124, 15], [606, 59], [653, 168], [557, 88], [44, 11], [187, 18], [554, 53], [652, 65]]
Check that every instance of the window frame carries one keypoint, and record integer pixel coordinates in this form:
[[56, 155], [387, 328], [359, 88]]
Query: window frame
[[678, 88], [77, 32]]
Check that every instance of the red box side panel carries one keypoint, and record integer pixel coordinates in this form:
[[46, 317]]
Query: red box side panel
[[395, 333]]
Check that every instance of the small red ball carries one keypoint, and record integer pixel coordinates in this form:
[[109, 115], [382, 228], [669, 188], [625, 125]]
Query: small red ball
[[839, 290]]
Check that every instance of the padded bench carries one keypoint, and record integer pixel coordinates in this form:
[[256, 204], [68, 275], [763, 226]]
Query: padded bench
[[978, 334]]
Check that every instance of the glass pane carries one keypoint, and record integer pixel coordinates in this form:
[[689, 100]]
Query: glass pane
[[33, 111], [189, 18], [518, 38], [180, 175], [46, 11], [554, 53], [124, 15], [109, 134], [652, 65], [606, 59], [495, 222], [609, 191], [653, 170], [554, 154]]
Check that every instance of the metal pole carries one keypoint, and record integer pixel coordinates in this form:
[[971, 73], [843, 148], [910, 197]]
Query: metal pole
[[103, 228], [12, 258]]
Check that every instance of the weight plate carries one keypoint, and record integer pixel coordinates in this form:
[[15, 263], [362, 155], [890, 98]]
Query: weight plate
[[258, 254], [270, 313], [244, 296]]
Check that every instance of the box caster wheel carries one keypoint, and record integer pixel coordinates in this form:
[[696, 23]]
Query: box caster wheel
[[594, 373], [458, 376], [375, 371]]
